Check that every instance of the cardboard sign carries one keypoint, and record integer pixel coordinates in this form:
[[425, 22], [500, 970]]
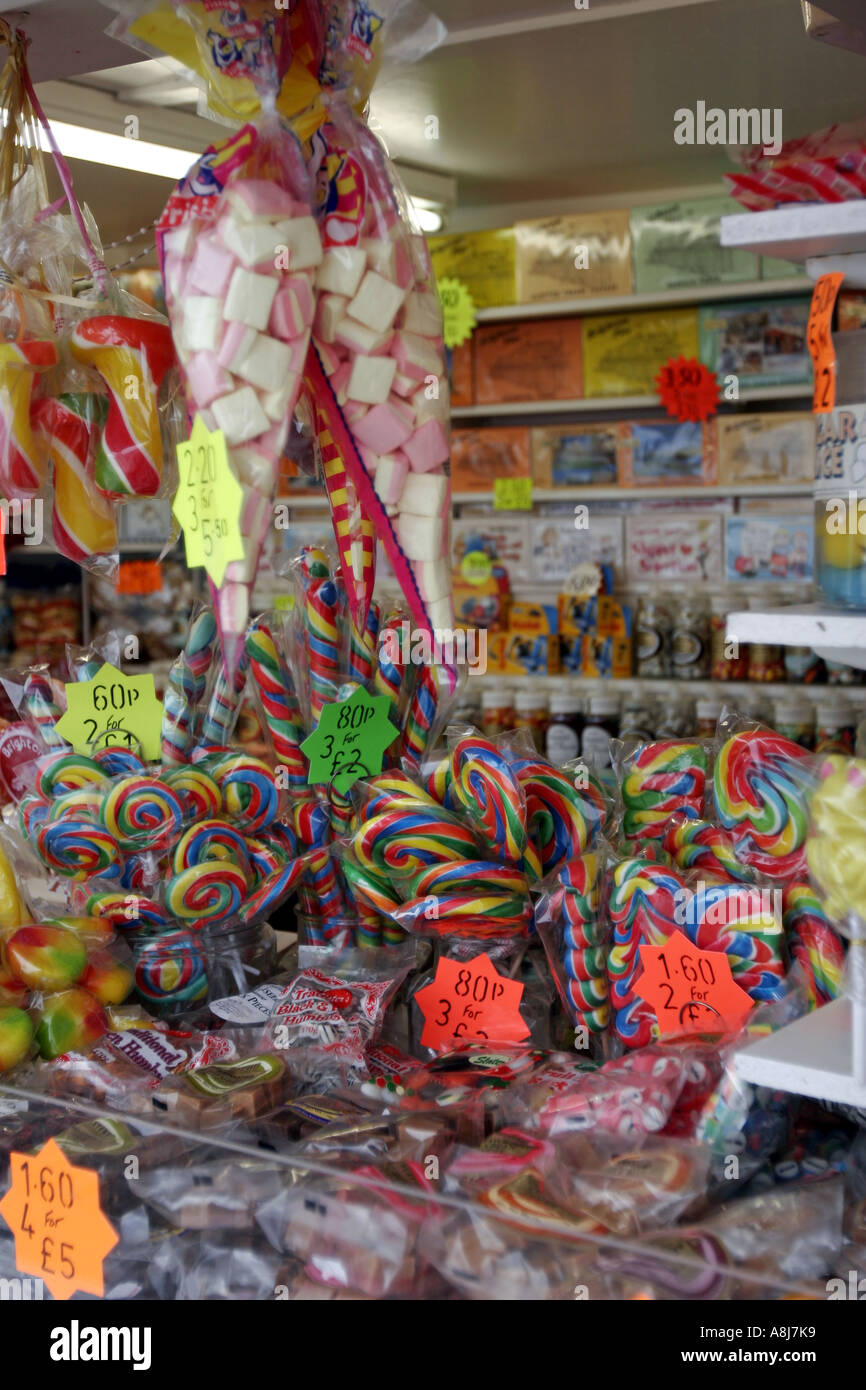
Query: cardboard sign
[[208, 502], [820, 341], [470, 1001], [350, 741], [691, 991], [61, 1233], [113, 711]]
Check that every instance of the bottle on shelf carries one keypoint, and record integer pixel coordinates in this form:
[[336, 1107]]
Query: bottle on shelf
[[601, 724], [497, 710], [794, 718], [530, 713], [727, 663], [707, 711], [689, 639], [638, 718], [766, 662], [835, 724], [564, 728], [652, 628]]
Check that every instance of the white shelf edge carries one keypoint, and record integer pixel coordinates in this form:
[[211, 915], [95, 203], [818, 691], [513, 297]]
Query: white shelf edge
[[810, 1057], [647, 299], [838, 633], [799, 231], [648, 684], [597, 404], [590, 493]]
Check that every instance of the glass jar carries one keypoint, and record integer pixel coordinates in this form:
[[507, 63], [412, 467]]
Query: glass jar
[[638, 717], [802, 665], [725, 667], [690, 639], [677, 720], [564, 728], [707, 713], [794, 718], [766, 662], [497, 713], [179, 972], [840, 491], [530, 713], [652, 632], [600, 725], [835, 725]]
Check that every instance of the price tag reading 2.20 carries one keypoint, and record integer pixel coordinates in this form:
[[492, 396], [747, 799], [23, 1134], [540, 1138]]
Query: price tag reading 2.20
[[53, 1209], [350, 740], [208, 502]]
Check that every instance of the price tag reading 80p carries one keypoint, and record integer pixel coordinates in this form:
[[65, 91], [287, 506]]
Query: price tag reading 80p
[[208, 502], [350, 741]]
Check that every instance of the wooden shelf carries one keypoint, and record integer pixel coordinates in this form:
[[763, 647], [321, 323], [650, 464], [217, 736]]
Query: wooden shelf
[[654, 299]]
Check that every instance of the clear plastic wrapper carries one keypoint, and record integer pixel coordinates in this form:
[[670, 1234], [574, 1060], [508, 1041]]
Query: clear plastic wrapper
[[658, 780]]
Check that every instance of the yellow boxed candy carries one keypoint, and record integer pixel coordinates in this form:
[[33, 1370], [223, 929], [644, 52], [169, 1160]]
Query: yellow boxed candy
[[622, 353], [484, 261]]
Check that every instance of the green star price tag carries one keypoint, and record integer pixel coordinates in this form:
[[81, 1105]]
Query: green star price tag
[[113, 711], [512, 494], [208, 502], [350, 741], [458, 311]]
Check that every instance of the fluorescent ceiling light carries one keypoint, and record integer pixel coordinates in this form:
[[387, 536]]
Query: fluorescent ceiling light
[[428, 217], [122, 152]]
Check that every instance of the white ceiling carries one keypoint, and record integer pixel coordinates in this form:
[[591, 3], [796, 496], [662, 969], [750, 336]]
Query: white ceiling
[[540, 106]]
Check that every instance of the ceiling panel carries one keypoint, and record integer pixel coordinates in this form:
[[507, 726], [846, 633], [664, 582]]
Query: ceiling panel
[[585, 110], [67, 37]]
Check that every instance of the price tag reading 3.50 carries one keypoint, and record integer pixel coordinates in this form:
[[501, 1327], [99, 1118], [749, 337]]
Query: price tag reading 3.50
[[208, 502], [54, 1212]]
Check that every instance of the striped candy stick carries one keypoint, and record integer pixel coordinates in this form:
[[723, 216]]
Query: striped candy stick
[[421, 716], [41, 708], [321, 610], [362, 646], [224, 704], [282, 713], [186, 686]]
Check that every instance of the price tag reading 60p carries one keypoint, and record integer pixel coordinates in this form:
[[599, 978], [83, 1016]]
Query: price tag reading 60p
[[113, 711], [61, 1234], [208, 502], [350, 741]]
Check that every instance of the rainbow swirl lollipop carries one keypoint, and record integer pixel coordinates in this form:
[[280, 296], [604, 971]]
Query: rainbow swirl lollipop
[[813, 943], [761, 787], [370, 887], [741, 921], [663, 778], [76, 849], [170, 969], [561, 822], [487, 789], [249, 792], [198, 792], [143, 811], [209, 841], [576, 902], [208, 892], [646, 904], [698, 845], [127, 912], [67, 772], [405, 839]]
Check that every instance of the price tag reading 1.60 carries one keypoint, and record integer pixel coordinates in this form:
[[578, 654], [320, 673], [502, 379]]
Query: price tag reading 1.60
[[53, 1209], [689, 989], [208, 502]]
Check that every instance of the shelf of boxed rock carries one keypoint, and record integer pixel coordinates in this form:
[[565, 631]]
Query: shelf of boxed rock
[[599, 404], [654, 299], [836, 633]]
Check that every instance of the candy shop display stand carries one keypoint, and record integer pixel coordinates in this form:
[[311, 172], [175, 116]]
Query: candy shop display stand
[[821, 1055], [836, 635]]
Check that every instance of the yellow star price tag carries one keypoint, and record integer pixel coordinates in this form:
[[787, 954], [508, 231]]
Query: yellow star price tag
[[458, 311], [208, 502], [113, 711]]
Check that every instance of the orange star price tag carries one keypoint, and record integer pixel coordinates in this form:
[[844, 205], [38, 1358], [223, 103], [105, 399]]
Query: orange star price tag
[[691, 991], [61, 1234], [470, 1001], [820, 340]]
